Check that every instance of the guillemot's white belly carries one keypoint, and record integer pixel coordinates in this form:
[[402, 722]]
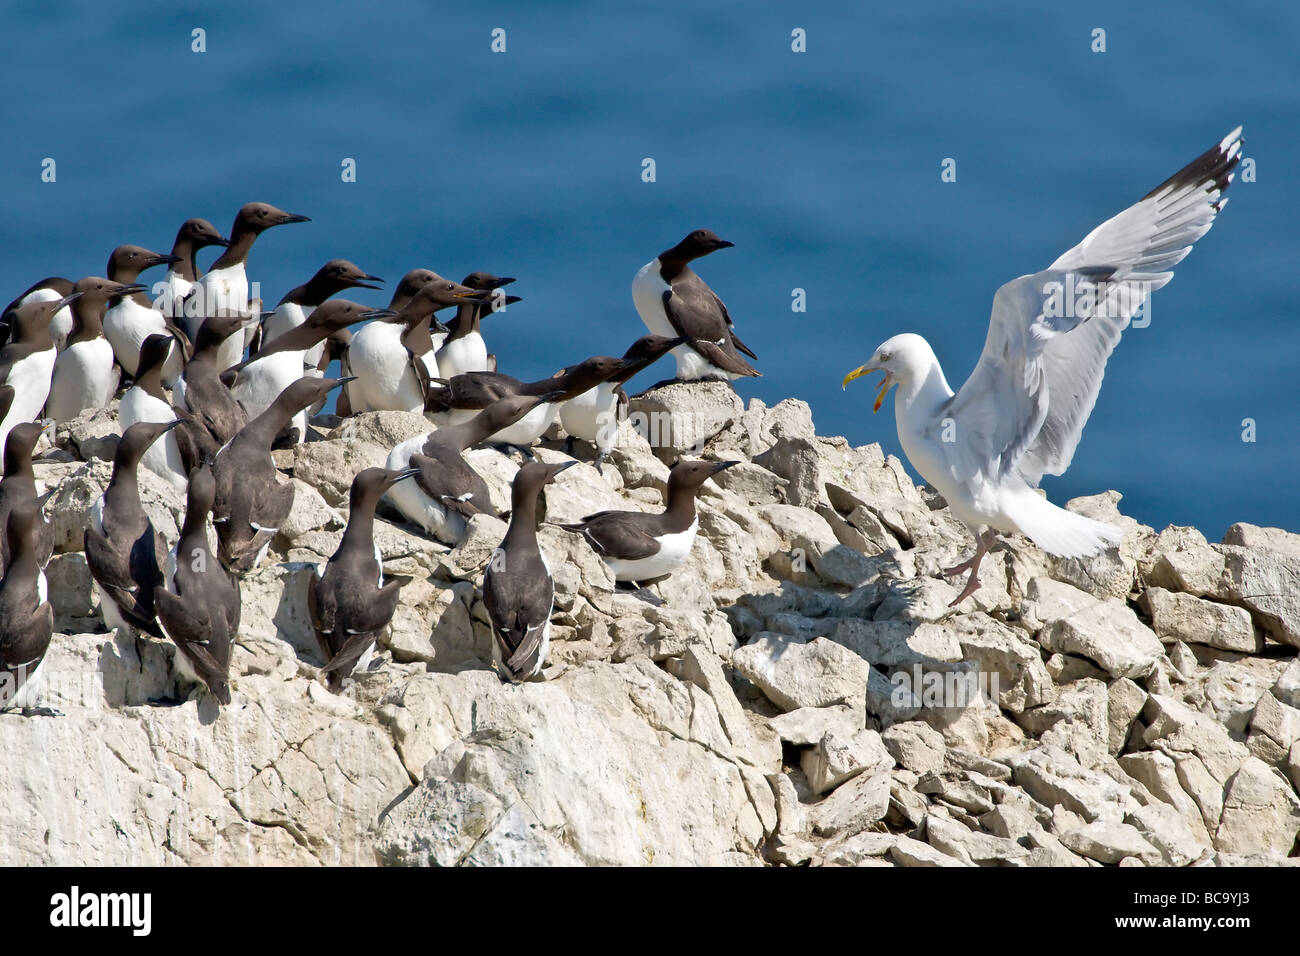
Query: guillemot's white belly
[[384, 380], [673, 551], [410, 499], [83, 377], [127, 325], [30, 378], [163, 457]]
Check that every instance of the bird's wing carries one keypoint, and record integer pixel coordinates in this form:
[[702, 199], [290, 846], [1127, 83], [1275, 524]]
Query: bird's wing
[[731, 326], [1051, 333], [321, 607], [441, 484], [617, 534], [480, 389], [694, 310], [518, 601]]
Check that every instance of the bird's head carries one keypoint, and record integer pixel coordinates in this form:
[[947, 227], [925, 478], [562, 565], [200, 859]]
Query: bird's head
[[904, 359]]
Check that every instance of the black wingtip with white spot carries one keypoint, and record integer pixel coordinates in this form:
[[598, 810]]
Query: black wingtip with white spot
[[1212, 169]]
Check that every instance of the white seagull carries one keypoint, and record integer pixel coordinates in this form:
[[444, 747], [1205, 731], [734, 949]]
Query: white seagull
[[1020, 414]]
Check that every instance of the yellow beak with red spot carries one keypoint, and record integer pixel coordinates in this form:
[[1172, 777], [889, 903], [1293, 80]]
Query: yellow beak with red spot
[[884, 385]]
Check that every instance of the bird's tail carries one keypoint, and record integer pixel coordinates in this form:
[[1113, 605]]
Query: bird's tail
[[1060, 532]]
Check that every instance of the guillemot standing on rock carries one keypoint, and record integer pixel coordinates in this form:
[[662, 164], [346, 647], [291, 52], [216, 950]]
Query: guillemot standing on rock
[[464, 395], [224, 289], [258, 382], [19, 485], [198, 603], [595, 415], [27, 362], [640, 547], [125, 554], [145, 401], [49, 289], [26, 618], [330, 279], [214, 415], [349, 602], [518, 590], [672, 300], [193, 235], [463, 350], [447, 491], [251, 503], [132, 318], [84, 375], [394, 360]]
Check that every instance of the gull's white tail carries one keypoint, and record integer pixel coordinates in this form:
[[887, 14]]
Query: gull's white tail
[[1057, 531]]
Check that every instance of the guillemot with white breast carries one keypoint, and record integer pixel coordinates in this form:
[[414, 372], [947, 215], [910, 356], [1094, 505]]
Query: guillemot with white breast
[[594, 416], [330, 279], [394, 360], [193, 235], [463, 349], [260, 380], [27, 362], [132, 318], [447, 491], [145, 401], [672, 300], [640, 547], [223, 290], [84, 374]]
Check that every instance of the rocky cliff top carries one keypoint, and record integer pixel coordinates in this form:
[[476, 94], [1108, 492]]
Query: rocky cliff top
[[798, 693]]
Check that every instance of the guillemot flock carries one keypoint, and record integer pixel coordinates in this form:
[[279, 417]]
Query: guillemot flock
[[210, 385]]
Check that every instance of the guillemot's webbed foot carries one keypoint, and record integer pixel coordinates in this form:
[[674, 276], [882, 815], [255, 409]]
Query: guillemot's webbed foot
[[972, 585]]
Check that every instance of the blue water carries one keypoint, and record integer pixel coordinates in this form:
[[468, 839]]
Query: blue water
[[822, 167]]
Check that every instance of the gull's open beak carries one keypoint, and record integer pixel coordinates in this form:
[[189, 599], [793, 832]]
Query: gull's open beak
[[884, 385]]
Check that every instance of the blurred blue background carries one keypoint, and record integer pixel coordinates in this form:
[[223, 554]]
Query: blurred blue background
[[822, 167]]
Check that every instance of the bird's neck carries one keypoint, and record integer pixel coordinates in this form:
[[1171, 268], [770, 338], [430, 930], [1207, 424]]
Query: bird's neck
[[923, 395], [522, 533], [241, 243], [360, 532], [188, 267]]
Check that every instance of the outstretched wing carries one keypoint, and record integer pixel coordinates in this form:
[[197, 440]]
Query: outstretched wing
[[1050, 335]]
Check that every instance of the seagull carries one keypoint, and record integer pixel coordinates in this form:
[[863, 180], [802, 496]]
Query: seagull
[[1020, 414]]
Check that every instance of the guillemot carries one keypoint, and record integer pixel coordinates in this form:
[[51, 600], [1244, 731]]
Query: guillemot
[[251, 503], [223, 290], [464, 395], [349, 601], [27, 362], [639, 547], [125, 554], [394, 360], [330, 279], [213, 415], [447, 491], [257, 383], [132, 318], [84, 374], [463, 350], [145, 401], [49, 289], [518, 591], [595, 415], [26, 617], [19, 485], [672, 300], [193, 235], [198, 603]]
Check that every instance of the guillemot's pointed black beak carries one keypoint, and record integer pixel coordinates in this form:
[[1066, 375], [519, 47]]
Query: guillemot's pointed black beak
[[70, 298], [219, 241], [377, 313], [723, 244], [129, 289], [357, 283], [160, 260], [724, 465], [499, 282], [292, 217]]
